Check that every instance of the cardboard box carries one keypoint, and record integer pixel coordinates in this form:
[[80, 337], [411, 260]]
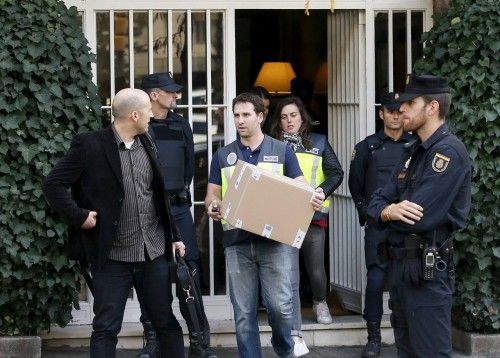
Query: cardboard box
[[268, 204]]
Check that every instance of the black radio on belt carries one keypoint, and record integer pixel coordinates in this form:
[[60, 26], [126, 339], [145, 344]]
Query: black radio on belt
[[430, 258]]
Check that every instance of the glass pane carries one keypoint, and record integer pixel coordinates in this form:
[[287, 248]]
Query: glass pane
[[160, 41], [199, 60], [217, 57], [200, 152], [399, 50], [141, 55], [82, 293], [201, 227], [381, 55], [417, 28], [79, 19], [179, 48], [103, 65], [105, 117], [218, 118], [378, 122], [122, 57], [219, 261]]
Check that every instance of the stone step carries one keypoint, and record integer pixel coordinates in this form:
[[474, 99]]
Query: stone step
[[344, 331]]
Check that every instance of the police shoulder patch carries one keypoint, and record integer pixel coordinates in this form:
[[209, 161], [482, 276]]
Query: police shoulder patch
[[353, 155], [440, 162]]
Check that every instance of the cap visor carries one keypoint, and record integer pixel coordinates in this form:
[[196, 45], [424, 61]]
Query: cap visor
[[172, 88], [403, 97]]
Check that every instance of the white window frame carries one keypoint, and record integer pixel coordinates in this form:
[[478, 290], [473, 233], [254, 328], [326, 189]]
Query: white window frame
[[89, 8]]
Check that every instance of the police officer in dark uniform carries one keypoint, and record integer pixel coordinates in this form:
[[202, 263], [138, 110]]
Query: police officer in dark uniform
[[372, 162], [174, 141], [427, 199]]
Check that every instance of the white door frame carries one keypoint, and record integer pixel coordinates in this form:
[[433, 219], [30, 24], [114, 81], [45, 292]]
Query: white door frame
[[367, 105]]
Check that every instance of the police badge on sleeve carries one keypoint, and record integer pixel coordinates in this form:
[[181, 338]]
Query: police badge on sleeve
[[231, 158], [440, 163]]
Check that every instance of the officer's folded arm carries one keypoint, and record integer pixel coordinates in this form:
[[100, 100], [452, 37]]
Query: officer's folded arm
[[405, 211]]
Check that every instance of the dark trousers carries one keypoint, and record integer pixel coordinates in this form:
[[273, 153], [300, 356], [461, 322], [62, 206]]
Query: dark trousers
[[112, 286], [376, 273], [184, 221], [421, 316]]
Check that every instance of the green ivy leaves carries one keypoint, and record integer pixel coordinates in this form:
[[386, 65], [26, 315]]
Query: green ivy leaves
[[46, 96], [464, 46]]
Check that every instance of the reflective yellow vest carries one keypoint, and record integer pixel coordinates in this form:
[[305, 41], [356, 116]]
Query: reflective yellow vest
[[311, 164], [271, 157]]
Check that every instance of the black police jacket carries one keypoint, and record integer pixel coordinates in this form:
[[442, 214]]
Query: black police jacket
[[436, 176], [174, 140], [372, 163]]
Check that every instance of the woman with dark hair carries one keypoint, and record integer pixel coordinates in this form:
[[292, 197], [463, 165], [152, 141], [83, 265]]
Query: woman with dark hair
[[321, 168]]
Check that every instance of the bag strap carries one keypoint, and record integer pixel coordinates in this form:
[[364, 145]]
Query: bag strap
[[189, 288]]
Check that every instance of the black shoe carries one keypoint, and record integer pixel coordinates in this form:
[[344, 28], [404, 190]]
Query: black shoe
[[372, 347], [151, 347], [199, 347]]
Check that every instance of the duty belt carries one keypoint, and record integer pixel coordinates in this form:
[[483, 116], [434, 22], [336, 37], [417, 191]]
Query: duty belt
[[414, 246]]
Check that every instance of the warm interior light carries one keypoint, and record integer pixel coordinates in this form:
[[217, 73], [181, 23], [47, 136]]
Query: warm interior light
[[275, 77], [321, 79]]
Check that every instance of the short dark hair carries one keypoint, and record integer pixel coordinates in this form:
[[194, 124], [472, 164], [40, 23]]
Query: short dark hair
[[248, 97], [444, 101], [261, 92], [305, 128]]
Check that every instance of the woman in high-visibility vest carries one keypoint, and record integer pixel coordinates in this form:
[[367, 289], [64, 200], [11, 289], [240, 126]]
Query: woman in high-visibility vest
[[321, 168]]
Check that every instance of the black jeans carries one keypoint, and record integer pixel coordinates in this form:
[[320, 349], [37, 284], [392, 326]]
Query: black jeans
[[112, 285]]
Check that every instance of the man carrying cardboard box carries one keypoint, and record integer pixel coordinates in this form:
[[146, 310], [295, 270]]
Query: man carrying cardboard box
[[251, 258]]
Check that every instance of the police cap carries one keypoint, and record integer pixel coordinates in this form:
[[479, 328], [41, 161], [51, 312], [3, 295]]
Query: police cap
[[422, 85], [390, 101], [163, 81]]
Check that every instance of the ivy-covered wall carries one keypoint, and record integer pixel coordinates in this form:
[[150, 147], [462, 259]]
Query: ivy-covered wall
[[46, 96], [464, 46]]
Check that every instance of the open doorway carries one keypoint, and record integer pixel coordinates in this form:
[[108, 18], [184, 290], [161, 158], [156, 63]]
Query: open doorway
[[285, 36], [292, 37]]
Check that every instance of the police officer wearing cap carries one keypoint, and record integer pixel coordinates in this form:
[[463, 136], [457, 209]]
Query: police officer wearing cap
[[174, 141], [372, 162], [426, 199]]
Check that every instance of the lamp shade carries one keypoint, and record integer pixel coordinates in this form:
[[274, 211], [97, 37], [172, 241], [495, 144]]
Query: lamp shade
[[275, 77]]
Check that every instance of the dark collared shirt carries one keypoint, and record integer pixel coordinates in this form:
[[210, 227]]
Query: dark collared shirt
[[139, 227], [291, 167]]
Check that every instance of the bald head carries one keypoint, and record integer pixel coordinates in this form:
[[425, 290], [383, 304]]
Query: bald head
[[128, 100]]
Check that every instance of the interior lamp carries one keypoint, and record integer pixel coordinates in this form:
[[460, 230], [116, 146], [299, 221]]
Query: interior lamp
[[275, 77]]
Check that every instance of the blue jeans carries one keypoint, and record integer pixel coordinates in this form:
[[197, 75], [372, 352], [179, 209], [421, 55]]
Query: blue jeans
[[112, 284], [270, 263]]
